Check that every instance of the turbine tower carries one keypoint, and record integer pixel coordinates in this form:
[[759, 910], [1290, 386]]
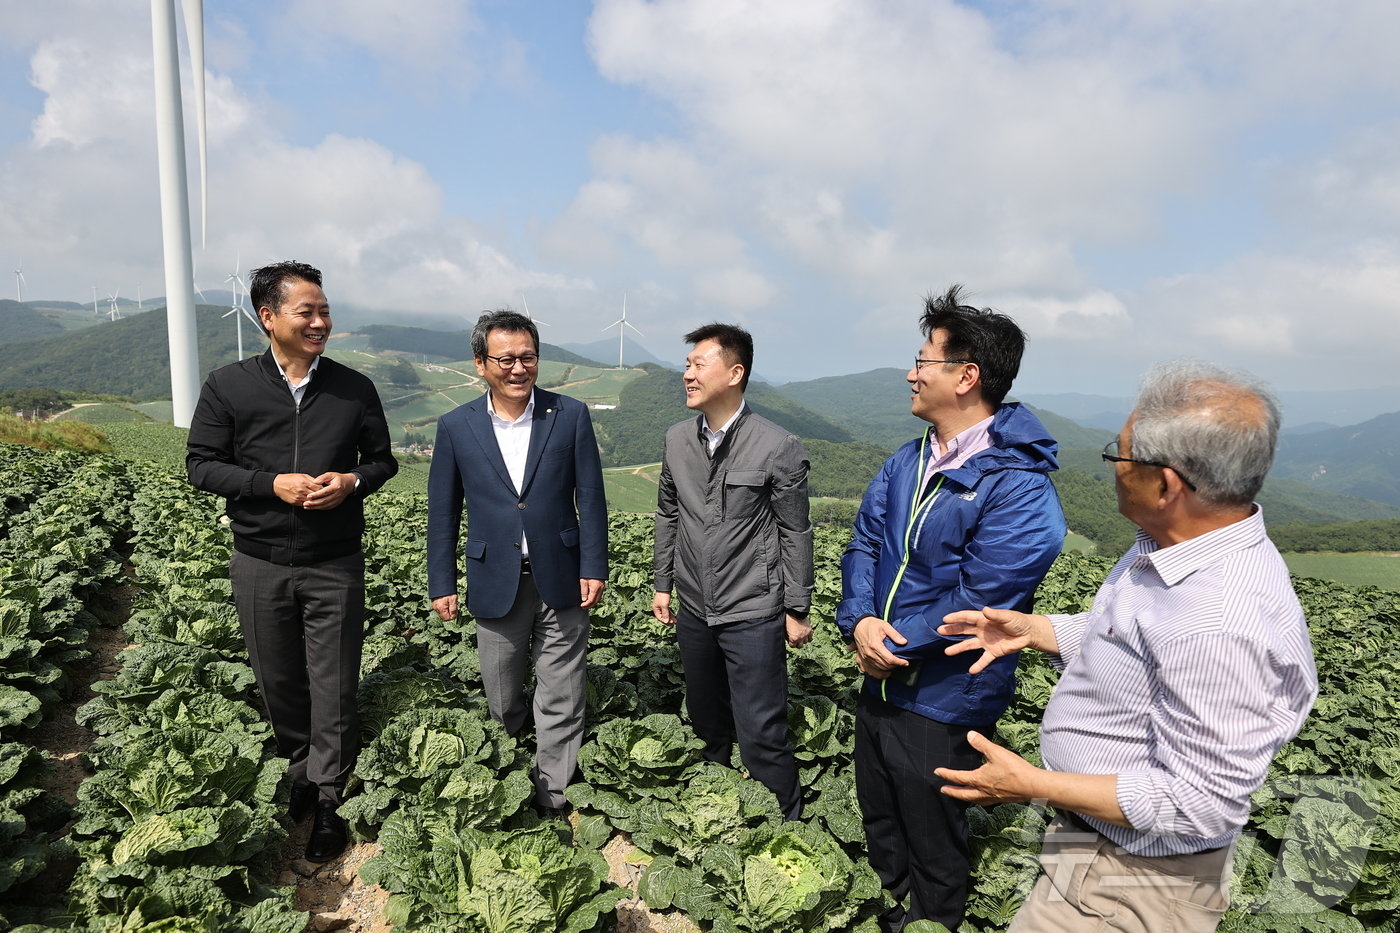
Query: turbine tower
[[622, 324], [19, 282], [94, 302], [174, 193], [113, 312]]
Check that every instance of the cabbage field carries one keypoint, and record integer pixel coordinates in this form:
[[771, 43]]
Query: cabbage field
[[179, 825]]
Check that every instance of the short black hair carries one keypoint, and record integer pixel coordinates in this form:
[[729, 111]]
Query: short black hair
[[735, 342], [267, 285], [506, 319], [979, 335]]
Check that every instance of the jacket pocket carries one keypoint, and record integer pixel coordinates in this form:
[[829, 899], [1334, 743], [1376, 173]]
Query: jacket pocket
[[476, 550], [745, 493], [569, 537]]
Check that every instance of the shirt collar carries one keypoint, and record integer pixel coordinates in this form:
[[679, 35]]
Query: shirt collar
[[491, 409], [728, 424], [1178, 561], [310, 370], [977, 437]]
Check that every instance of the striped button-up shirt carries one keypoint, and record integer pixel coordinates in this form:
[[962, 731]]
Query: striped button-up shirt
[[1191, 670]]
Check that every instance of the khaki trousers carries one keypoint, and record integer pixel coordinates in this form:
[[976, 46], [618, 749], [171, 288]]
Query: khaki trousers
[[1088, 883]]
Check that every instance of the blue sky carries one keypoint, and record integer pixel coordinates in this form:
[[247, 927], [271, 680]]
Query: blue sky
[[1130, 181]]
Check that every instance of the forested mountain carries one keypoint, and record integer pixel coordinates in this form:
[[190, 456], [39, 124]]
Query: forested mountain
[[635, 431], [1360, 460], [874, 407], [130, 357], [451, 344], [19, 322]]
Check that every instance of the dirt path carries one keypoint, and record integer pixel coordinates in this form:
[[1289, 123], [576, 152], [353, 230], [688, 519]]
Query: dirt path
[[64, 741], [332, 892]]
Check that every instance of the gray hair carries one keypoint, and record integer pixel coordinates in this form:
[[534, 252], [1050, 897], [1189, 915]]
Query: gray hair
[[506, 319], [1217, 427]]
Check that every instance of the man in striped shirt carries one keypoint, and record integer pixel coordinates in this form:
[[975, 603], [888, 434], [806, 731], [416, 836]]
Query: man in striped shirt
[[1190, 671]]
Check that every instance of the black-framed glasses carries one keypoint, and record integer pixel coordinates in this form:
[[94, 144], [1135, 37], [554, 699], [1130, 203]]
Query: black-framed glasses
[[919, 362], [529, 361], [1110, 455]]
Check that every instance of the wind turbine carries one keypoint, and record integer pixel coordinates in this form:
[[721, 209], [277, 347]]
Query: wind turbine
[[19, 282], [526, 304], [174, 192], [139, 305], [113, 312], [94, 302], [238, 311], [622, 324]]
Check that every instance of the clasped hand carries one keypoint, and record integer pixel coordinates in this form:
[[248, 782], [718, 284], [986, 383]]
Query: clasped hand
[[314, 492]]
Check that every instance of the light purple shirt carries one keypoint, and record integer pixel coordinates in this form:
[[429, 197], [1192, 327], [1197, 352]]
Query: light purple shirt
[[1191, 670], [962, 448]]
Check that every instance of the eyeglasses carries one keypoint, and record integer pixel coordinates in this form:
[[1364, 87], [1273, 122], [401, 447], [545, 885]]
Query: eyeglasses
[[1110, 455], [507, 363], [919, 362]]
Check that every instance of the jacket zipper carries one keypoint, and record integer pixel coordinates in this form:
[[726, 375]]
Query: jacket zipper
[[296, 467], [915, 507]]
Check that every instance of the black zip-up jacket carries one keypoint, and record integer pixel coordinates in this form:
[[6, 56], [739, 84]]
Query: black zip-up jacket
[[246, 429]]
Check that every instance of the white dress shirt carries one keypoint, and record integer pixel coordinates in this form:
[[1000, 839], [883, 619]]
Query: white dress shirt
[[513, 437]]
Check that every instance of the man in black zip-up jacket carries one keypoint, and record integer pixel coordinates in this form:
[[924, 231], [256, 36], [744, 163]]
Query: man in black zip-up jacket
[[295, 442]]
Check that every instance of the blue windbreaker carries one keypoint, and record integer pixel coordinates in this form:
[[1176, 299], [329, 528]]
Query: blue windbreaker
[[985, 536]]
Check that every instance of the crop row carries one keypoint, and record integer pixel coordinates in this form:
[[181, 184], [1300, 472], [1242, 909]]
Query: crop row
[[169, 839], [55, 556]]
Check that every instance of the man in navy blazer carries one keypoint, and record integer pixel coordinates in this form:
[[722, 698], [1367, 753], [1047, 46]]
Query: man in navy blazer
[[525, 463]]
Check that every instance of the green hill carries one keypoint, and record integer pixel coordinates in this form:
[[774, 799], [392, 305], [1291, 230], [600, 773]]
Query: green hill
[[19, 322], [129, 357], [451, 344], [1360, 460], [873, 406], [635, 431]]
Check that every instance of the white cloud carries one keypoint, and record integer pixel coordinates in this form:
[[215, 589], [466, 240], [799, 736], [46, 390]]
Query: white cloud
[[81, 196]]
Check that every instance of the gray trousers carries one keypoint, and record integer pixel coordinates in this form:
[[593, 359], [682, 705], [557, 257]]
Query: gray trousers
[[1088, 883], [304, 627], [557, 641]]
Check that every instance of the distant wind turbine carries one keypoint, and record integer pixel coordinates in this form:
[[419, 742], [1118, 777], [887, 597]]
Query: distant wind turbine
[[19, 282], [113, 312], [139, 305], [238, 311], [526, 305], [174, 192], [94, 301], [622, 324]]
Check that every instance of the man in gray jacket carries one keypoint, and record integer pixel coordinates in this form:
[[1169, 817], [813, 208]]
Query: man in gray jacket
[[734, 541]]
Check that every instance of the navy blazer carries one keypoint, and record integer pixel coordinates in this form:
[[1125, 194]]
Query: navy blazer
[[561, 510]]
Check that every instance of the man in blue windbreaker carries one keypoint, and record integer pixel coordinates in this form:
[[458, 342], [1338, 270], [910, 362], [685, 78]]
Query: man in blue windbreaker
[[961, 518]]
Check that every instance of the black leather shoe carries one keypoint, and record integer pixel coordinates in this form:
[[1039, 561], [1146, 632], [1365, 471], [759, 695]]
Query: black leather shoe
[[327, 833], [303, 799], [560, 814]]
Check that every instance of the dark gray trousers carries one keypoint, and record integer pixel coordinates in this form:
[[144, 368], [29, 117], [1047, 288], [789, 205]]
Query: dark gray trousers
[[304, 627], [557, 641], [736, 688]]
